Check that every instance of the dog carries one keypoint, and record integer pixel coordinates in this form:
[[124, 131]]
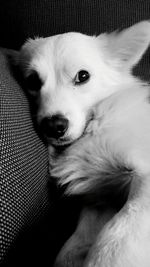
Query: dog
[[95, 116]]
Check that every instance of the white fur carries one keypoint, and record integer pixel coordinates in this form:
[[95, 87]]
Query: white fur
[[115, 147], [108, 58]]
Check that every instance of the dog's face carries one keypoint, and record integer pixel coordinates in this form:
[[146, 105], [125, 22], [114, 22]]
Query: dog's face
[[70, 73]]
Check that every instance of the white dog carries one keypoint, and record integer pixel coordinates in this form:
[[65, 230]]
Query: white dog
[[89, 102]]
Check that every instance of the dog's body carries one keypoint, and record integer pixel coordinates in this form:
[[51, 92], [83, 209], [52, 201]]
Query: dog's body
[[89, 100], [120, 157]]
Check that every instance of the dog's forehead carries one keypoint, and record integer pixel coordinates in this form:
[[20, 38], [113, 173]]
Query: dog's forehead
[[68, 51], [73, 41], [68, 44], [73, 51]]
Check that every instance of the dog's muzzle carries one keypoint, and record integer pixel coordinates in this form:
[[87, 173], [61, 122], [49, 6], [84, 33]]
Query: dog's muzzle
[[55, 126]]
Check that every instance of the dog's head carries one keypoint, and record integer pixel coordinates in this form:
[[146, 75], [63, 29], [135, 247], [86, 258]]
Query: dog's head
[[70, 73]]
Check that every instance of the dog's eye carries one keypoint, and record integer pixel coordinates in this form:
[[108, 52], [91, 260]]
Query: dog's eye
[[81, 77], [33, 83]]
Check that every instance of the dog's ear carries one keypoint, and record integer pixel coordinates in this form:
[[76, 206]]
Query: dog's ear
[[21, 60], [19, 63], [24, 57], [14, 59], [18, 60], [127, 47]]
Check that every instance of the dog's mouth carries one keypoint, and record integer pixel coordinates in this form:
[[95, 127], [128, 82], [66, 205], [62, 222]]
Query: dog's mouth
[[89, 119], [66, 140], [60, 142]]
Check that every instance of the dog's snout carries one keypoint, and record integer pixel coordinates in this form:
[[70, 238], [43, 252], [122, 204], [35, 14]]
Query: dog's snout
[[55, 126]]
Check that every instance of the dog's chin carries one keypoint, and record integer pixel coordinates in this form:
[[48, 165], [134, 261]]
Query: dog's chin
[[65, 142], [60, 143]]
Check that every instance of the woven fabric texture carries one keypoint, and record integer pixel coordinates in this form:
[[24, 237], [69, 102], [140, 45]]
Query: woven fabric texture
[[23, 162]]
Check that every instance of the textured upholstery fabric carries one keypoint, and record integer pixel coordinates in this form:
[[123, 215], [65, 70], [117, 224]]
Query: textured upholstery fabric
[[23, 161], [29, 215]]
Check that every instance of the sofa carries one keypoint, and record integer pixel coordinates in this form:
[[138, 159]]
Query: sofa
[[35, 216]]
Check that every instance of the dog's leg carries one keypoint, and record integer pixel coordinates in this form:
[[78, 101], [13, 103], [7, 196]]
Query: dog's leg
[[75, 250], [125, 240]]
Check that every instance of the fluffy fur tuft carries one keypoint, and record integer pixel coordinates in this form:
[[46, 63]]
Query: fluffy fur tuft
[[90, 166]]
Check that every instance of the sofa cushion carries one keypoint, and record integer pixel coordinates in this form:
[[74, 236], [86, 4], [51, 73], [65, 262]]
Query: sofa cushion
[[23, 161]]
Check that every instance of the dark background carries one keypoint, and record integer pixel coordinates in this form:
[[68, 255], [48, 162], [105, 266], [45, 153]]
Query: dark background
[[35, 218]]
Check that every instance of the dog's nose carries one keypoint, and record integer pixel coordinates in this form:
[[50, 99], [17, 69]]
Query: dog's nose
[[55, 126]]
